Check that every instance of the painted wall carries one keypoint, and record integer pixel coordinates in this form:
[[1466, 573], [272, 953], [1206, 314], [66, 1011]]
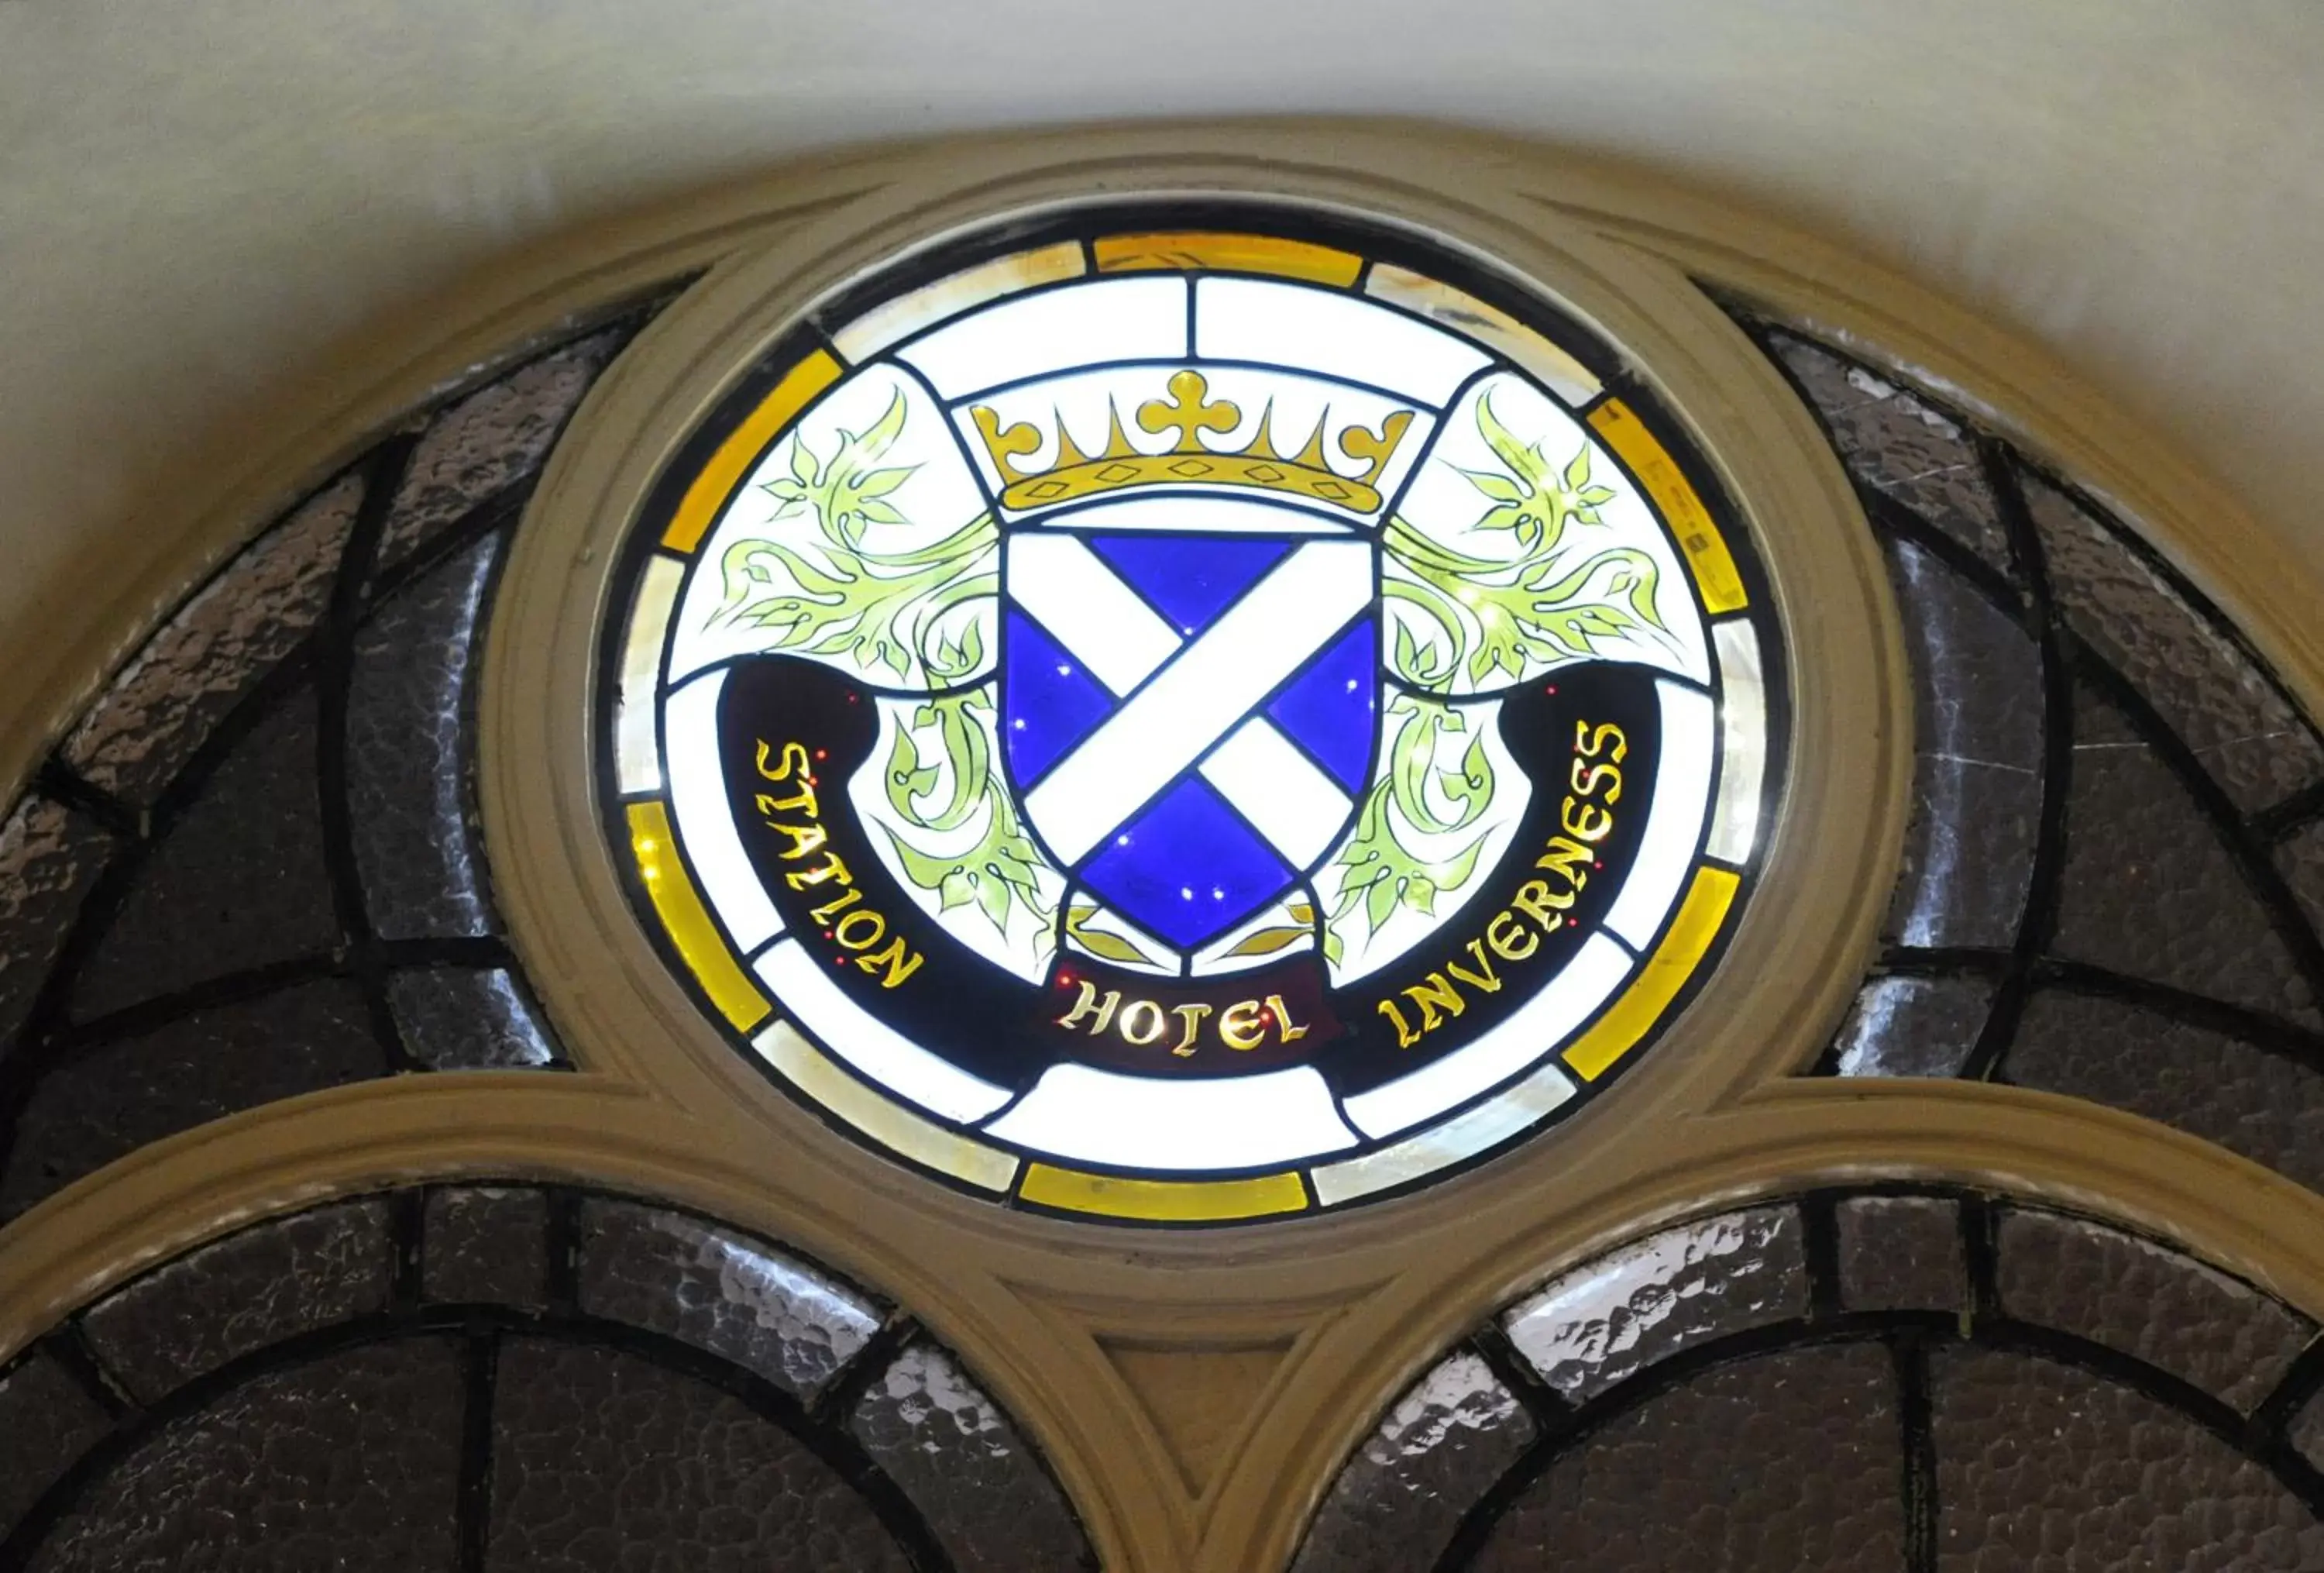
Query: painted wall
[[197, 203]]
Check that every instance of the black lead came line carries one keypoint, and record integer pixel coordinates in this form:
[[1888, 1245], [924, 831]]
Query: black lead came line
[[2045, 882], [384, 469]]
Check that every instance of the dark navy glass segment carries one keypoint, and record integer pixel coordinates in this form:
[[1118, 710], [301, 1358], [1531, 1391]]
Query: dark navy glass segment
[[1186, 868], [1330, 710], [1048, 702], [1190, 578]]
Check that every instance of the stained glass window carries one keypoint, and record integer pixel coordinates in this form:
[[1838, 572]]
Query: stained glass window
[[1191, 715]]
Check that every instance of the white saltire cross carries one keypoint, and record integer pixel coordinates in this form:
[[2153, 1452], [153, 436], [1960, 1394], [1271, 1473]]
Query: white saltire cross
[[1278, 625]]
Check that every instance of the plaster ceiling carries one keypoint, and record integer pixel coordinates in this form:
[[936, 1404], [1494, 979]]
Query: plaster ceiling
[[197, 202]]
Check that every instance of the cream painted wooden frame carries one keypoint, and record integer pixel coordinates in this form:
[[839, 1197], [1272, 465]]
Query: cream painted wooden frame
[[1196, 1391]]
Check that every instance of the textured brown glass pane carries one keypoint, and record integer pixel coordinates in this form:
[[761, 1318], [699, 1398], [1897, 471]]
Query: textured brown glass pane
[[487, 1244], [489, 440], [407, 769], [1976, 774], [457, 1019], [2308, 1431], [1901, 1253], [1914, 1026], [2238, 723], [722, 1291], [2146, 1299], [1789, 1463], [46, 1422], [601, 1460], [2300, 860], [238, 883], [2045, 1468], [350, 1462], [965, 1467], [105, 1102], [245, 1291], [1900, 444], [2268, 1108], [49, 856], [1397, 1501], [2150, 890], [194, 670], [1669, 1291]]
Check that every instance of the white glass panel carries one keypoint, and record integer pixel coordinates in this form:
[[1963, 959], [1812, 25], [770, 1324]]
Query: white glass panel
[[809, 995], [1240, 515], [1076, 325], [1489, 1124], [1363, 950], [1460, 500], [705, 818], [1279, 790], [906, 315], [637, 736], [1258, 642], [1674, 822], [933, 499], [1743, 741], [889, 1123], [1464, 314], [1145, 1122], [1336, 334], [1262, 941], [1537, 1026], [1094, 928], [1085, 607]]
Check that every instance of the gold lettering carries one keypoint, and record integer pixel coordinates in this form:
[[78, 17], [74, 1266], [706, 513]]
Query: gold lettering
[[1586, 779], [1590, 743], [1192, 1015], [1431, 994], [1240, 1027], [805, 799], [838, 904], [1149, 1025], [899, 960], [1405, 1036], [1505, 944], [831, 868], [1534, 900], [792, 758], [1567, 858], [1586, 831], [878, 929], [1488, 982], [804, 839], [1089, 1004], [1287, 1030]]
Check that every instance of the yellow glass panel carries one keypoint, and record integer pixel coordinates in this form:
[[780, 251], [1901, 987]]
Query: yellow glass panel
[[906, 315], [886, 1122], [1706, 549], [1665, 974], [1462, 312], [1247, 254], [719, 477], [682, 913], [1163, 1201]]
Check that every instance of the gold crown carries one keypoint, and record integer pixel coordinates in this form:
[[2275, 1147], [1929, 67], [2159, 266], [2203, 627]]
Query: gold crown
[[1190, 409]]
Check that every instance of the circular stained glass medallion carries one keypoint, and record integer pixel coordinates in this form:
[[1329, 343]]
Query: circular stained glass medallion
[[1189, 716]]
